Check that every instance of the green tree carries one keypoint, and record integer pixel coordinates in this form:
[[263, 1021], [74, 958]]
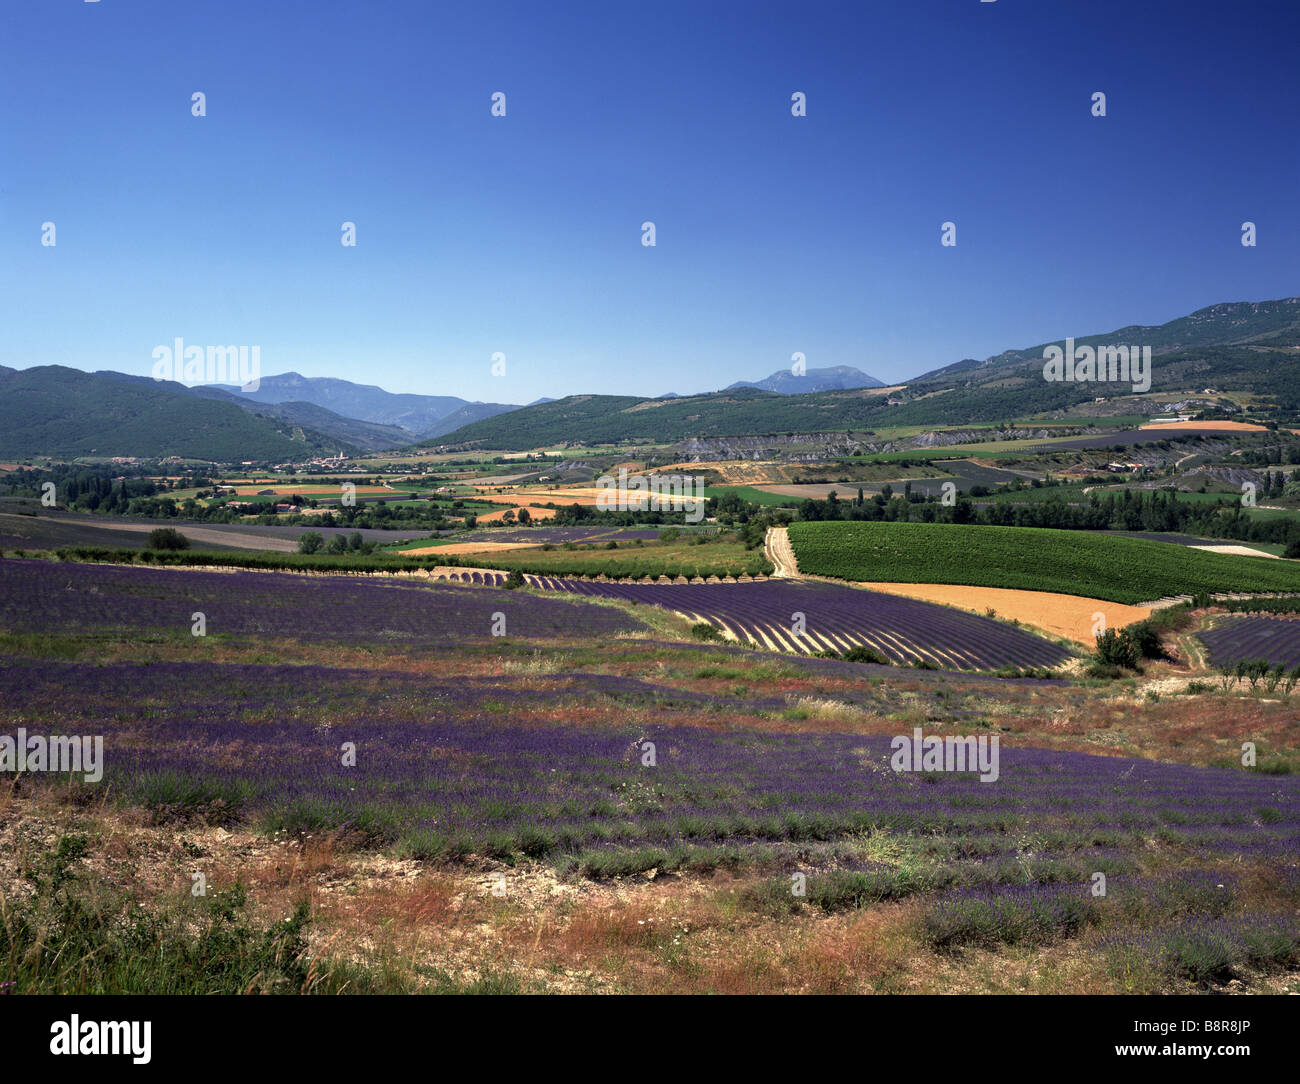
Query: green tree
[[168, 538]]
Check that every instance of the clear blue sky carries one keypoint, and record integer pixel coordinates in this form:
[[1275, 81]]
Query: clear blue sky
[[522, 234]]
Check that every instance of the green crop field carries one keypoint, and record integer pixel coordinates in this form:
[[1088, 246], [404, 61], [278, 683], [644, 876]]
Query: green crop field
[[752, 495], [679, 558], [1124, 570]]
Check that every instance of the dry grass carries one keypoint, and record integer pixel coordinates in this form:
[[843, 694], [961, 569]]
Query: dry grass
[[692, 934]]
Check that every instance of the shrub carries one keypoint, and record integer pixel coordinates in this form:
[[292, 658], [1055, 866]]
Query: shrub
[[705, 631], [514, 579], [168, 538], [310, 542], [1145, 637], [1035, 915], [861, 653], [1116, 648], [213, 947]]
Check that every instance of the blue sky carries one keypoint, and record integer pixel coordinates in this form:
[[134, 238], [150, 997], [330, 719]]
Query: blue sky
[[522, 234]]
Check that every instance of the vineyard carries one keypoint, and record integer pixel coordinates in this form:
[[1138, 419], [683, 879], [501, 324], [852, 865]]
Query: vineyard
[[1124, 570], [809, 617]]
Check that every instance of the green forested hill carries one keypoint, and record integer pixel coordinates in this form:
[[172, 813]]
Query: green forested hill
[[614, 418], [57, 411], [1240, 347]]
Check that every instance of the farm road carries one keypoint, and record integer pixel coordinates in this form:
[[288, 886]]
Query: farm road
[[781, 554]]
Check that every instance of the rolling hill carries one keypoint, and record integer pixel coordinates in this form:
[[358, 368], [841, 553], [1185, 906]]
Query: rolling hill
[[1243, 347], [57, 411], [1250, 347]]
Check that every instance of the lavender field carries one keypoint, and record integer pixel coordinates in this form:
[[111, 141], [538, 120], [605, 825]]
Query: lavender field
[[447, 769], [837, 619], [1276, 640], [382, 721], [44, 596]]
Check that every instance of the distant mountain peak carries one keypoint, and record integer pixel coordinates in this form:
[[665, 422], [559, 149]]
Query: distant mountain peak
[[834, 378], [420, 415]]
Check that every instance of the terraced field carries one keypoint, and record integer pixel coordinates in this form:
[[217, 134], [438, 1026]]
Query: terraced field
[[1095, 565], [768, 614], [1236, 639]]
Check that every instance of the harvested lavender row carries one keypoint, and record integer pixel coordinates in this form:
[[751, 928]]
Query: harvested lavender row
[[837, 618]]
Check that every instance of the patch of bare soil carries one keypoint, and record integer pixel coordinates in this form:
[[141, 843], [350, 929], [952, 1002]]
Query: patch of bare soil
[[1240, 551], [1071, 616], [472, 547], [1230, 427]]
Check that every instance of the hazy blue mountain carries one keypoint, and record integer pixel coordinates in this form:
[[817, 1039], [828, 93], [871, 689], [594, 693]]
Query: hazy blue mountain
[[419, 415], [835, 378]]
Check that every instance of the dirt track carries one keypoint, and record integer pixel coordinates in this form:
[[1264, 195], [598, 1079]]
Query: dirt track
[[781, 554]]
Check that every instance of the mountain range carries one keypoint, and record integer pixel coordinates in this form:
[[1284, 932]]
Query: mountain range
[[417, 416], [1242, 347], [1246, 347], [787, 382]]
